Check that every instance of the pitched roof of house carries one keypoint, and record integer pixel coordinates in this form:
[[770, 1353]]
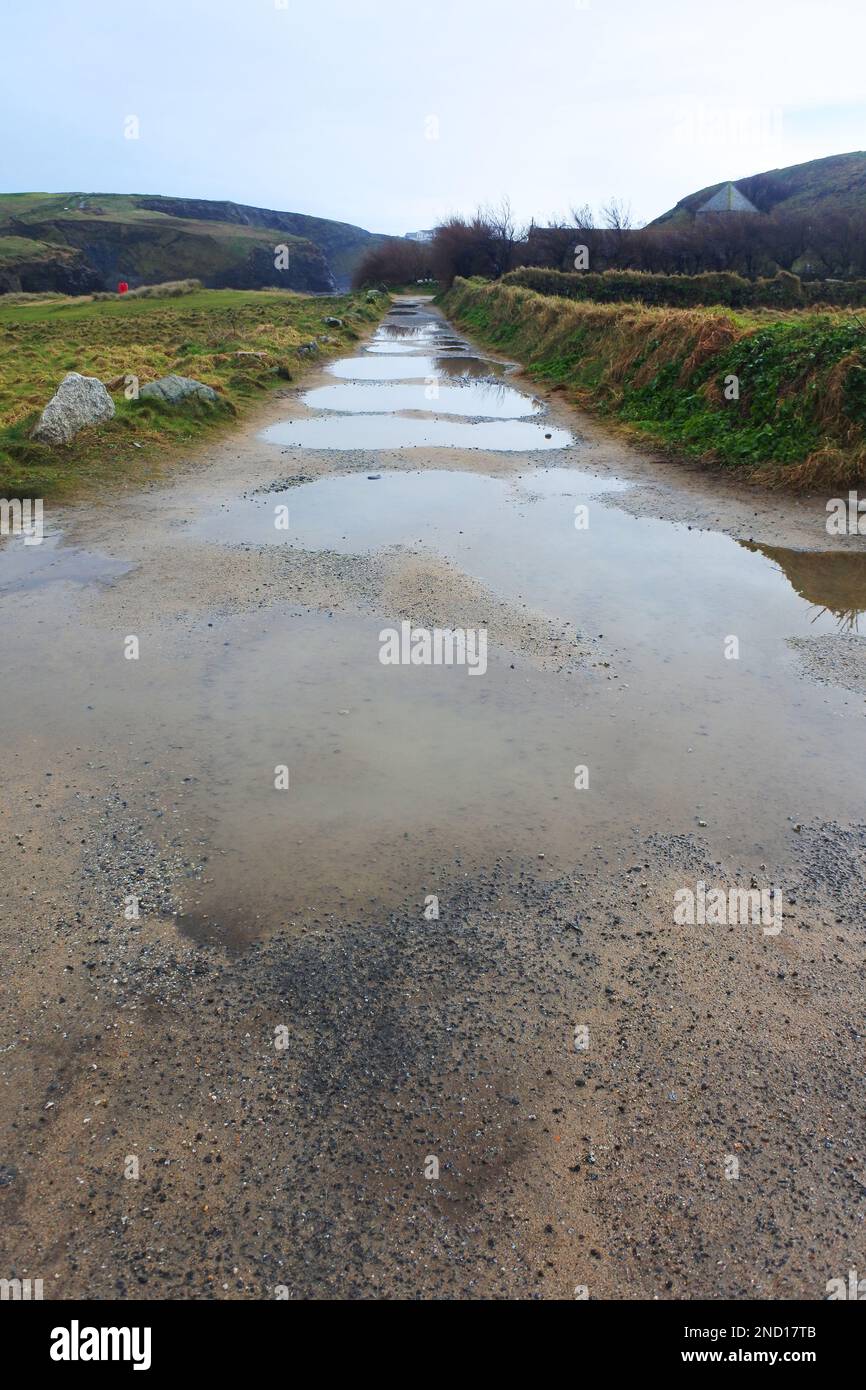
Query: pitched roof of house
[[728, 199]]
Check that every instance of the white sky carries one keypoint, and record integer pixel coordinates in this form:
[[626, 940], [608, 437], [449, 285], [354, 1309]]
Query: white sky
[[328, 106]]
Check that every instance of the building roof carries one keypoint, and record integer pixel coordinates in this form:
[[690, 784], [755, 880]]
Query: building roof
[[728, 199]]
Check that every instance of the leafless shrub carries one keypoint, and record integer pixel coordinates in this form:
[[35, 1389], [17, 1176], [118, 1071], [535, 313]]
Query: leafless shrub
[[394, 262]]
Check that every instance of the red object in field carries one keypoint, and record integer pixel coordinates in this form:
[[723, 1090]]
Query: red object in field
[[122, 287]]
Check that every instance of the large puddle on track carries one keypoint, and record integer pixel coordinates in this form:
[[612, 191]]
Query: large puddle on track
[[492, 400], [397, 772], [385, 432], [518, 535], [403, 367]]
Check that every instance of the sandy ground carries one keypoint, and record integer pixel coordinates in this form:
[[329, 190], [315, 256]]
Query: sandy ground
[[434, 1126]]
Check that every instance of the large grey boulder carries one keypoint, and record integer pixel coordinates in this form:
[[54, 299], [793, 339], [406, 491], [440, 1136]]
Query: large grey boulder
[[78, 401], [173, 389]]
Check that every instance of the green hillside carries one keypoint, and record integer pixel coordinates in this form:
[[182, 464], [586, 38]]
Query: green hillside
[[341, 243], [100, 238], [838, 181]]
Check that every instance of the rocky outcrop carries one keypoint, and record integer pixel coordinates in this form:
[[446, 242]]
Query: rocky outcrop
[[307, 270], [78, 401], [32, 267]]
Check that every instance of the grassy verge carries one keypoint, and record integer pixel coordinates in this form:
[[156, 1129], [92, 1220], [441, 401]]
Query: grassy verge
[[197, 335], [799, 421]]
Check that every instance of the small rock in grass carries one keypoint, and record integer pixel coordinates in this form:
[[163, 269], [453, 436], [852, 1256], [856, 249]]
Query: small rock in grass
[[174, 389]]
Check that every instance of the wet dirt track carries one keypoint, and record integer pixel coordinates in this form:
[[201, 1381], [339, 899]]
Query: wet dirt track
[[298, 917]]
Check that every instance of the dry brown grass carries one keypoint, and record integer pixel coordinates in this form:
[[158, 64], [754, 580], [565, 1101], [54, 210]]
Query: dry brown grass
[[714, 336], [826, 469], [830, 410]]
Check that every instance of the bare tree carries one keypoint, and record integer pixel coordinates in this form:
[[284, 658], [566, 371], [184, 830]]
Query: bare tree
[[397, 261], [583, 218], [617, 215], [588, 237], [504, 233]]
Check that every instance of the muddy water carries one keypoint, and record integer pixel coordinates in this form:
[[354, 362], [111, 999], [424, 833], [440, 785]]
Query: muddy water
[[401, 776]]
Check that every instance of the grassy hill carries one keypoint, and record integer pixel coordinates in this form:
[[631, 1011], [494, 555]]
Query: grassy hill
[[839, 181], [342, 244], [75, 242]]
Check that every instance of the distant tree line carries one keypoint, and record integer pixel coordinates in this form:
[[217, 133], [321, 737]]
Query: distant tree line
[[821, 244], [780, 291], [394, 262]]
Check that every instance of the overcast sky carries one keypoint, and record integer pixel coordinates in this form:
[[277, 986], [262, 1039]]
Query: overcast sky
[[393, 113]]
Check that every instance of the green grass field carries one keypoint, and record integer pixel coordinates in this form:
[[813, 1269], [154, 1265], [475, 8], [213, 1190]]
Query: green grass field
[[196, 335]]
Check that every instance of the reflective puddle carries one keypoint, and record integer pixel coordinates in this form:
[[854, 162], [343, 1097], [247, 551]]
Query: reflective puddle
[[491, 400], [396, 432], [24, 566], [830, 582], [354, 513], [519, 536], [401, 367], [392, 766]]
